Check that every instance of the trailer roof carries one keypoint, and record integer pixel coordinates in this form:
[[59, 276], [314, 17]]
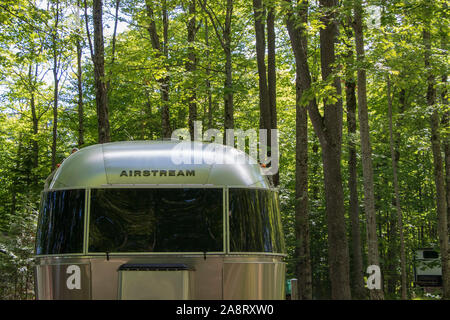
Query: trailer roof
[[158, 163]]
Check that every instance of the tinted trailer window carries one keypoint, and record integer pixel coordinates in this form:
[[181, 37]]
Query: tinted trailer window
[[156, 220], [255, 224], [61, 221]]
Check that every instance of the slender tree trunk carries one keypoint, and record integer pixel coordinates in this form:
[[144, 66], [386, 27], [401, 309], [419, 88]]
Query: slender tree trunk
[[404, 288], [34, 119], [331, 140], [113, 47], [390, 266], [303, 82], [80, 96], [446, 140], [80, 85], [302, 248], [208, 73], [272, 79], [191, 67], [445, 118], [271, 66], [224, 38], [390, 254], [56, 58], [357, 275], [264, 106], [167, 131], [149, 114], [267, 76], [162, 50], [356, 268], [441, 201], [55, 115], [369, 197], [116, 20], [101, 92], [14, 184], [229, 108], [35, 131]]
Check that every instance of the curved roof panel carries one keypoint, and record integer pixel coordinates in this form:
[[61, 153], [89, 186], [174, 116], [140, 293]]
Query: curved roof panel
[[158, 163]]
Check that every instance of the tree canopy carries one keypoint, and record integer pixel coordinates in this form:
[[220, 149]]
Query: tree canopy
[[75, 73]]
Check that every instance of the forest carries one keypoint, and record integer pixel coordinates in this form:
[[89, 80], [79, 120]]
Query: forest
[[357, 90]]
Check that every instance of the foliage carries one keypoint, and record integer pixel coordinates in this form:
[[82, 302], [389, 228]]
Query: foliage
[[394, 48]]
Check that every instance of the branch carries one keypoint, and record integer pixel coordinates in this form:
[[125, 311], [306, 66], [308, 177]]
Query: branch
[[299, 47], [87, 30], [152, 27], [114, 33], [203, 5]]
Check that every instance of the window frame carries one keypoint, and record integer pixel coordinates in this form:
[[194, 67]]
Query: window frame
[[273, 191], [180, 186], [85, 214], [226, 221], [434, 253]]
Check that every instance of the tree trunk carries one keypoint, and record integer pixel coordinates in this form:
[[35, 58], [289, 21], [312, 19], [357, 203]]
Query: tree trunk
[[441, 201], [35, 121], [331, 140], [445, 118], [369, 197], [264, 107], [80, 95], [162, 50], [113, 47], [271, 66], [101, 93], [272, 80], [329, 131], [229, 112], [56, 59], [191, 67], [267, 76], [225, 41], [15, 182], [357, 274], [303, 83], [390, 266], [113, 44], [404, 288], [356, 260], [208, 73], [167, 131], [446, 139], [55, 115], [302, 248]]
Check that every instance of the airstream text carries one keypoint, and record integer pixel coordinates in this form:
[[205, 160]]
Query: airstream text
[[155, 173]]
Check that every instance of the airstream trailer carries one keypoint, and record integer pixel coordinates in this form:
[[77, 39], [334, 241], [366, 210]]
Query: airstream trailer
[[123, 220], [427, 268]]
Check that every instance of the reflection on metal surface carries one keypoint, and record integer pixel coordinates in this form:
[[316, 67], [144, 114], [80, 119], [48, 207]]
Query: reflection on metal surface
[[63, 281], [156, 220], [255, 224], [216, 277], [132, 198], [80, 169], [249, 281], [139, 282], [103, 164], [60, 224], [140, 285]]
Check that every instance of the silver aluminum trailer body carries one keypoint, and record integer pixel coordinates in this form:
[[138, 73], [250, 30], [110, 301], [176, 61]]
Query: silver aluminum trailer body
[[138, 220], [427, 268]]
